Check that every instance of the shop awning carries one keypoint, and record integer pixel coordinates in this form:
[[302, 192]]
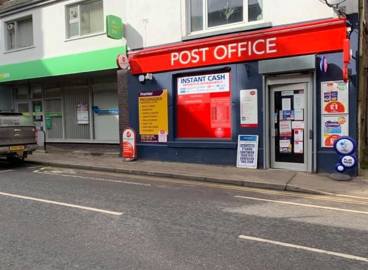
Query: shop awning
[[62, 65]]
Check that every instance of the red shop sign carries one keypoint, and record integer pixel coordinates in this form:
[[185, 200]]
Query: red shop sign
[[298, 39]]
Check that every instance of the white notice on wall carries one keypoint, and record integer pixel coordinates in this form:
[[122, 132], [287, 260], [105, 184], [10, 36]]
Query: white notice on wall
[[298, 147], [248, 108], [82, 114], [247, 155]]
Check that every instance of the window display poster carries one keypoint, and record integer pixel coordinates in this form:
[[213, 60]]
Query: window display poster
[[334, 127], [203, 107], [285, 128], [82, 114], [298, 147], [153, 116], [247, 154], [206, 83], [285, 146], [248, 108], [334, 97]]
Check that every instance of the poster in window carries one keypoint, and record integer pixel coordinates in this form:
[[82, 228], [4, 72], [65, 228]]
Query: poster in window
[[334, 127], [249, 108], [153, 116], [334, 97], [203, 107], [82, 114]]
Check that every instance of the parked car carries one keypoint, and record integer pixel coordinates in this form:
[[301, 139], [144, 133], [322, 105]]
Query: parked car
[[17, 136]]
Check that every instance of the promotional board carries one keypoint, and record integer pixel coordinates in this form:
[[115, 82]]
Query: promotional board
[[204, 106], [334, 127], [248, 108], [334, 97], [247, 154], [129, 149], [153, 116]]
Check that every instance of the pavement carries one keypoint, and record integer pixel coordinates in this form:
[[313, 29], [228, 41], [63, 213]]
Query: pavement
[[267, 179]]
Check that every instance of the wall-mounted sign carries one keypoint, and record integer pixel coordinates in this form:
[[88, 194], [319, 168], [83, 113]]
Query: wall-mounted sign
[[114, 27], [99, 111], [334, 127], [334, 97], [275, 42], [82, 114], [129, 150], [208, 83], [153, 116], [247, 155], [248, 108]]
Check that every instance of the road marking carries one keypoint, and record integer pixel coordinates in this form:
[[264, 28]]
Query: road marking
[[304, 205], [316, 250], [94, 178], [62, 204], [5, 171]]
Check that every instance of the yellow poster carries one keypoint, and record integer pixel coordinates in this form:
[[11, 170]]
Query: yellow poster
[[153, 116]]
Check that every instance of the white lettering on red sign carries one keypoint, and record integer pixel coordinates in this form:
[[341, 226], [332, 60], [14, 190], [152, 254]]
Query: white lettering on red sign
[[229, 51]]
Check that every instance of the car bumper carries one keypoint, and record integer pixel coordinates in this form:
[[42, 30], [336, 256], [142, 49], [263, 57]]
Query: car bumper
[[29, 148]]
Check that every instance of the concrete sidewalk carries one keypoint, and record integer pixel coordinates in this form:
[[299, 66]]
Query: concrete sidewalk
[[269, 179]]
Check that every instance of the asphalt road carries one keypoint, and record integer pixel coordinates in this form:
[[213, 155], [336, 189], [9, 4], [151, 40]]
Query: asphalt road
[[52, 218]]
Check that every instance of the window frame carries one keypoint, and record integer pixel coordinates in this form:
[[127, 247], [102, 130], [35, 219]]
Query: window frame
[[207, 29], [6, 33], [67, 23]]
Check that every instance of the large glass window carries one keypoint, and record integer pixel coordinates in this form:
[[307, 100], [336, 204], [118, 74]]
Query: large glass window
[[85, 18], [203, 106], [19, 33], [207, 14]]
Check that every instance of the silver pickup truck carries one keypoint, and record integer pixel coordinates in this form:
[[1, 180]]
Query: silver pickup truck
[[17, 136]]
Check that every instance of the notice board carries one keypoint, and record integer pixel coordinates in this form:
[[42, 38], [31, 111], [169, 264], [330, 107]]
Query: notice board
[[153, 116]]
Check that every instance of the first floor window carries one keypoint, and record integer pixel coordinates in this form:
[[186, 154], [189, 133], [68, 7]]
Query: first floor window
[[85, 18], [203, 108], [206, 14], [19, 33]]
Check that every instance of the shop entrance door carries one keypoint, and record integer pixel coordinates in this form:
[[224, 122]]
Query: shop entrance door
[[289, 126]]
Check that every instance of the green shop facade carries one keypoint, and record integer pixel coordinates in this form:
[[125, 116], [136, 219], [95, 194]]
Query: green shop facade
[[73, 98]]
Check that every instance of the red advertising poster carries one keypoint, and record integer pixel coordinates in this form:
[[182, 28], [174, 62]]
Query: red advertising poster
[[129, 150], [204, 106]]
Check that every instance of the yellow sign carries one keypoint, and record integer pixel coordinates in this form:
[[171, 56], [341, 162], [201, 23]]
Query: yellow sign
[[153, 116]]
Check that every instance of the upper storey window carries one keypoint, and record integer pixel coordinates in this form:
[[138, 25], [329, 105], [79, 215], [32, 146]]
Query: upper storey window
[[85, 18], [19, 33], [210, 14]]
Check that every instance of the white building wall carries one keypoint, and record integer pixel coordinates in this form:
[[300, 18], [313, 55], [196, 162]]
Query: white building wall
[[49, 34], [153, 23], [148, 23]]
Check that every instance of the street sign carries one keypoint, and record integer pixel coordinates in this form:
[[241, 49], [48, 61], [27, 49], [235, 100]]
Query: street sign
[[114, 27]]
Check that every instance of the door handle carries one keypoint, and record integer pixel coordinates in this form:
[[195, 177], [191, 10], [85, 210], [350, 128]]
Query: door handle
[[311, 134]]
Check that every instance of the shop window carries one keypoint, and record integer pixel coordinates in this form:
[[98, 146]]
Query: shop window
[[208, 14], [19, 33], [36, 92], [22, 92], [85, 18], [203, 108]]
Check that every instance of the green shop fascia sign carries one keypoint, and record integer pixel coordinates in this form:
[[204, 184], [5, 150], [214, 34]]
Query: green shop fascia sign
[[114, 27], [104, 59]]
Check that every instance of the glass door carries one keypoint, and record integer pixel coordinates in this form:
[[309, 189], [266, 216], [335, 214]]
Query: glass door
[[289, 140]]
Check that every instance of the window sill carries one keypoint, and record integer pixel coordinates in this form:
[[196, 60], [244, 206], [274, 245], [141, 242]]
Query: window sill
[[20, 49], [85, 36], [227, 30]]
